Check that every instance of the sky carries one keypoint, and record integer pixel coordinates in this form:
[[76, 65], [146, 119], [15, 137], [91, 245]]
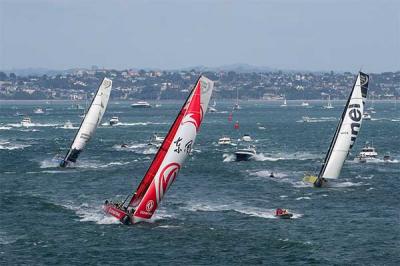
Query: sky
[[313, 35]]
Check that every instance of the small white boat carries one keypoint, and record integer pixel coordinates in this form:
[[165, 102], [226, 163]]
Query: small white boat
[[26, 122], [284, 103], [141, 104], [38, 111], [305, 104], [68, 125], [245, 154], [212, 109], [225, 141], [367, 153], [366, 116], [114, 120], [307, 119], [155, 140], [329, 105], [247, 138]]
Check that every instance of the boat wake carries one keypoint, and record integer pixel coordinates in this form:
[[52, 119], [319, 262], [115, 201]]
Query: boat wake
[[316, 119], [54, 163], [18, 125], [5, 128], [89, 213], [250, 211], [228, 157], [125, 124], [300, 156], [137, 148]]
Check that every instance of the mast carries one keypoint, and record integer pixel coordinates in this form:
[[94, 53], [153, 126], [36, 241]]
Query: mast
[[89, 123], [346, 131]]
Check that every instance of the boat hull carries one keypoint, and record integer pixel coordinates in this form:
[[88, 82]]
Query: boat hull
[[123, 216], [284, 216], [243, 156]]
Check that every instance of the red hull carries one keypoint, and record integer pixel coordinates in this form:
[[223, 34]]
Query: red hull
[[121, 215]]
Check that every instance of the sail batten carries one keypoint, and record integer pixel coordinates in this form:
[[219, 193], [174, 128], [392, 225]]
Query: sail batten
[[89, 123], [347, 129]]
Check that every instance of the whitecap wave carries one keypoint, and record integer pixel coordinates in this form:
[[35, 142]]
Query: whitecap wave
[[7, 145], [5, 128]]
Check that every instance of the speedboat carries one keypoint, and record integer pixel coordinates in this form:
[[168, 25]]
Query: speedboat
[[306, 119], [141, 104], [283, 214], [366, 116], [26, 122], [247, 138], [225, 141], [387, 158], [156, 141], [367, 153], [38, 111], [212, 109], [245, 154], [114, 120], [68, 125], [305, 104]]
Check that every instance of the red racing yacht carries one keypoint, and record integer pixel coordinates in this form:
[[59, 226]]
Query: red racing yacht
[[166, 164]]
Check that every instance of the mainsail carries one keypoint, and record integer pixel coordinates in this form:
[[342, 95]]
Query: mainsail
[[346, 131], [176, 147], [90, 122]]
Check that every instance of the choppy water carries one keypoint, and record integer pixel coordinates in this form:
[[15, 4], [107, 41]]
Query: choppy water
[[218, 211]]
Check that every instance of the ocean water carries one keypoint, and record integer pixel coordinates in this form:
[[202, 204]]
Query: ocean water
[[218, 211]]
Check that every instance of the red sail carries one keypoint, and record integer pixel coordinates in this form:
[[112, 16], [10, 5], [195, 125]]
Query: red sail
[[160, 183], [151, 172]]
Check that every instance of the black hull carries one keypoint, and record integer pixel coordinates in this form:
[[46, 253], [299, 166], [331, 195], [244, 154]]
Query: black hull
[[243, 157]]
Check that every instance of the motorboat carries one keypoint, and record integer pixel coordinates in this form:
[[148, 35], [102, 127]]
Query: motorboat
[[114, 120], [156, 140], [38, 111], [306, 119], [26, 122], [305, 104], [212, 109], [247, 138], [387, 158], [366, 116], [141, 104], [367, 153], [225, 141], [283, 214], [245, 154], [68, 125]]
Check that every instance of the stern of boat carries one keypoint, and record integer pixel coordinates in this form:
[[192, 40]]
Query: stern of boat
[[112, 209]]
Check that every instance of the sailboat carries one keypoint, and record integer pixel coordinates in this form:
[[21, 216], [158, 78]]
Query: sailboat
[[329, 105], [89, 123], [284, 102], [168, 161], [237, 106], [345, 134]]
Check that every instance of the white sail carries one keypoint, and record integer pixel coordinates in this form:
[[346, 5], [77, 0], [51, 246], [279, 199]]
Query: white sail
[[347, 130], [90, 122]]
